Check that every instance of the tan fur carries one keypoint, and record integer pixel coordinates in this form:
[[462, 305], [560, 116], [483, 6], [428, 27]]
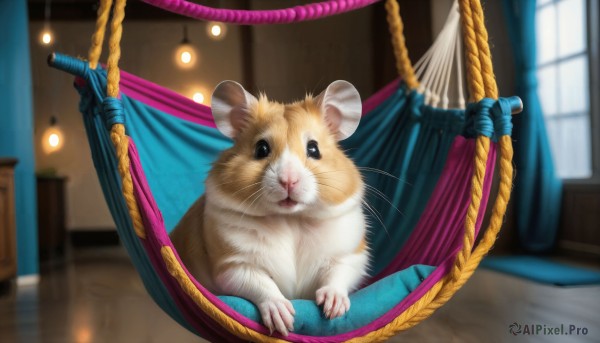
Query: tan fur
[[236, 169], [317, 250]]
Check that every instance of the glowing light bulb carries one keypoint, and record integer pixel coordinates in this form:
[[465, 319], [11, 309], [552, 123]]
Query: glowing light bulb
[[46, 37], [198, 97], [216, 30], [53, 140], [186, 57]]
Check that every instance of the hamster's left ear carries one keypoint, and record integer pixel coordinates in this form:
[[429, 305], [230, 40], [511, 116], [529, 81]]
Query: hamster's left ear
[[341, 106]]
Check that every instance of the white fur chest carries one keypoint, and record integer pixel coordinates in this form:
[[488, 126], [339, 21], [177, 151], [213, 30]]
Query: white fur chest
[[292, 250]]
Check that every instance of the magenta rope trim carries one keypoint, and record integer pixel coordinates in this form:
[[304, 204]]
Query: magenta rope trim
[[250, 17]]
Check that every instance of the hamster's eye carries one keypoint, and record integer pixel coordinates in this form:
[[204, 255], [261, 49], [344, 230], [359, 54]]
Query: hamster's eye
[[312, 150], [262, 149]]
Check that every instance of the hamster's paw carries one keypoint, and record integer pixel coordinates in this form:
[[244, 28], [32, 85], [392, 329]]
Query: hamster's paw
[[335, 301], [277, 314]]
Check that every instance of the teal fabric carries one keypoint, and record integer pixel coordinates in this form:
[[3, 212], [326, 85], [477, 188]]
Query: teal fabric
[[373, 302], [105, 163], [542, 270], [176, 156], [409, 140], [402, 137], [16, 127], [538, 191]]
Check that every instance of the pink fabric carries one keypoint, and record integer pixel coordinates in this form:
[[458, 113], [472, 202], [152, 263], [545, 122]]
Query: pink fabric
[[439, 228], [248, 17], [438, 233], [177, 105], [165, 100]]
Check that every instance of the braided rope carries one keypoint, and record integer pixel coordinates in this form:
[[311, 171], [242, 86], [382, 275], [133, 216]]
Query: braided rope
[[466, 262], [396, 26], [485, 57], [251, 17], [114, 46], [473, 64], [404, 321], [98, 36], [117, 132], [482, 147], [228, 323]]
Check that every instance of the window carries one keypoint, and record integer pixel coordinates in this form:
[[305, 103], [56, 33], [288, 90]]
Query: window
[[563, 71]]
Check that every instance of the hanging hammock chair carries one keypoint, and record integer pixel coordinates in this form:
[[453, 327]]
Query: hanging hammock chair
[[151, 147]]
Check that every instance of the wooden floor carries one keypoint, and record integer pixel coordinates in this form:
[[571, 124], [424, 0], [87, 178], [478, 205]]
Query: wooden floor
[[98, 297]]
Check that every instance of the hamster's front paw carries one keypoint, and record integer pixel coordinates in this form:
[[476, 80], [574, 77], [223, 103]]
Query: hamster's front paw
[[277, 314], [335, 301]]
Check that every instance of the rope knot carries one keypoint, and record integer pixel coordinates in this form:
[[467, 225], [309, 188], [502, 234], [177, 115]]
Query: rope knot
[[493, 117], [502, 113], [483, 123], [113, 111]]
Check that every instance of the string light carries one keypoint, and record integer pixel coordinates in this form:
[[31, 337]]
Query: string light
[[186, 55], [46, 36], [53, 138], [216, 30], [198, 97]]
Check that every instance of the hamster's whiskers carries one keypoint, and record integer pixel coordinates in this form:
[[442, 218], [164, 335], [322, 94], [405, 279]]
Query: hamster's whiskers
[[324, 184], [241, 189], [260, 193], [377, 215], [379, 193], [367, 169], [383, 172], [226, 183]]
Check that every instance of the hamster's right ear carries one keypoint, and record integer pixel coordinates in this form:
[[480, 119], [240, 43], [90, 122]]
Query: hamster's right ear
[[230, 106]]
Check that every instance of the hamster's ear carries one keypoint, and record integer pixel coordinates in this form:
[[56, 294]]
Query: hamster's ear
[[230, 106], [341, 106]]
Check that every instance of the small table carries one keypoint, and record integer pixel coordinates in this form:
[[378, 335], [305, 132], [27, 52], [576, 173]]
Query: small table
[[52, 232]]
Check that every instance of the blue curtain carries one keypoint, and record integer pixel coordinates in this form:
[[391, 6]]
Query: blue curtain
[[538, 190], [16, 126]]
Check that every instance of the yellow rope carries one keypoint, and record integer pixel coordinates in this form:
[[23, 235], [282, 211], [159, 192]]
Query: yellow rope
[[472, 63], [114, 46], [481, 83], [504, 189], [228, 323], [402, 322], [403, 64], [482, 147], [117, 132], [121, 144], [485, 57], [98, 37]]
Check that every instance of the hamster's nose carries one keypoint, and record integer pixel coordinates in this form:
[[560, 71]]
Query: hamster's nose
[[288, 182]]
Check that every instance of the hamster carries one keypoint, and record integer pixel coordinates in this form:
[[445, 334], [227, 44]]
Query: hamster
[[282, 215]]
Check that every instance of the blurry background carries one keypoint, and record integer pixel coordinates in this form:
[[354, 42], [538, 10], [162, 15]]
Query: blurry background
[[286, 62]]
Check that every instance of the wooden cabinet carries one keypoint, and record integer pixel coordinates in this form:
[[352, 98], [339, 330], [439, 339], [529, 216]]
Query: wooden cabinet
[[8, 244], [51, 216]]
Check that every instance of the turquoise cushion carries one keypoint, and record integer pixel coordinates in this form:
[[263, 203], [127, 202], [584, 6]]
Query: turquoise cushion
[[367, 304]]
